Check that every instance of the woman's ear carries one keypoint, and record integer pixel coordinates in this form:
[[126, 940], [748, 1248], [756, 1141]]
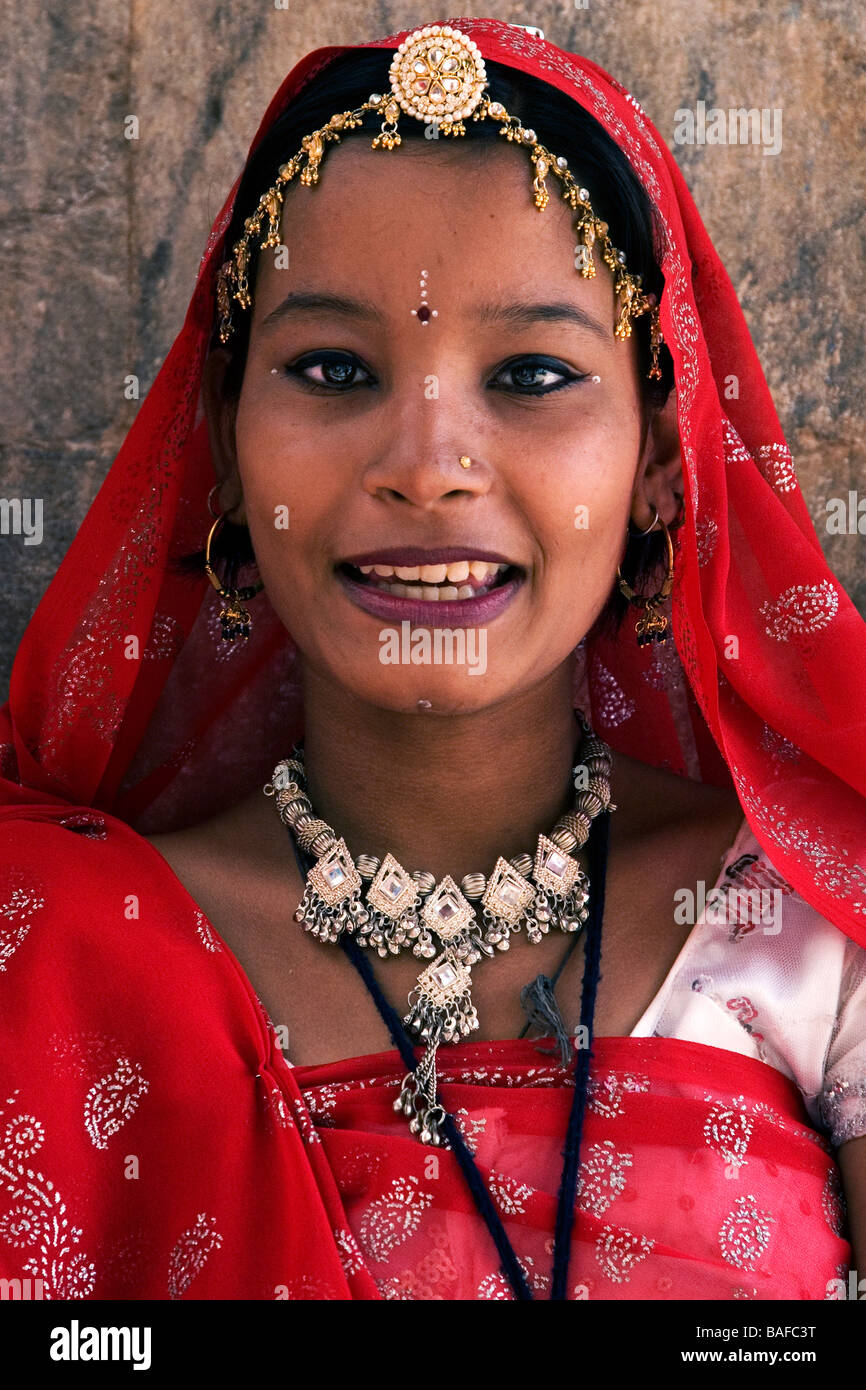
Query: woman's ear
[[659, 479], [221, 408]]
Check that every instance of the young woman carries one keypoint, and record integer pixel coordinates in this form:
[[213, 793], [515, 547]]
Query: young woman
[[538, 971]]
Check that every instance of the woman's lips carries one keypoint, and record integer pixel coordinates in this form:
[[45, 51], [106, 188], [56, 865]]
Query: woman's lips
[[465, 612]]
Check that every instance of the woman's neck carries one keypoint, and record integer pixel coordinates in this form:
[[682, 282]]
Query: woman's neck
[[444, 793]]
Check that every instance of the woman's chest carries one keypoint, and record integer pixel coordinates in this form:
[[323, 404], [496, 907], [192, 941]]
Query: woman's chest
[[324, 1011]]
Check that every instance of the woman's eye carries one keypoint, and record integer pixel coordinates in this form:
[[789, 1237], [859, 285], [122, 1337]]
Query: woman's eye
[[336, 370], [533, 376]]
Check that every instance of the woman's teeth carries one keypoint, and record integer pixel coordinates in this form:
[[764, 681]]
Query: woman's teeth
[[438, 583]]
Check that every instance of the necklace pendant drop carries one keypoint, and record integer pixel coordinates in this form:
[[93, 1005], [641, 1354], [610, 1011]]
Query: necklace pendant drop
[[332, 896]]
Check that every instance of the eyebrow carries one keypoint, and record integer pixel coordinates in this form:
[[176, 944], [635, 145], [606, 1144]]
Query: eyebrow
[[523, 314], [315, 302], [527, 313]]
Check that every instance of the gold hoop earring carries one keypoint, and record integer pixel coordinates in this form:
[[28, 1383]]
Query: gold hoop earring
[[651, 626], [234, 617], [216, 515]]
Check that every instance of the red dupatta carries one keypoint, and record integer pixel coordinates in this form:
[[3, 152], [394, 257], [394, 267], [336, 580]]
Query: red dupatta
[[85, 727]]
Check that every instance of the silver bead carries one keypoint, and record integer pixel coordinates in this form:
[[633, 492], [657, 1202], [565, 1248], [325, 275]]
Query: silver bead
[[578, 822], [300, 806], [306, 836], [564, 839], [589, 802], [523, 864], [601, 787], [322, 842], [425, 881], [367, 865], [473, 885]]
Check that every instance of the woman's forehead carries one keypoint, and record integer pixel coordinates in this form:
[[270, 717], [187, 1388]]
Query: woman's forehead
[[465, 214]]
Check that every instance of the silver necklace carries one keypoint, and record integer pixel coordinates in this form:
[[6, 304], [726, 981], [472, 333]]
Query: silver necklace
[[437, 920]]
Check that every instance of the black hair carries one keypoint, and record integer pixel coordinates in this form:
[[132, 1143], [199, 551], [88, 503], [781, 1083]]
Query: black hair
[[564, 127]]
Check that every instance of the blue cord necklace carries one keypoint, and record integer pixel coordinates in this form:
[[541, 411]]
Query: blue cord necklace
[[597, 849]]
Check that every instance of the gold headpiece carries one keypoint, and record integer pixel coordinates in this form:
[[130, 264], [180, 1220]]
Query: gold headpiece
[[438, 76]]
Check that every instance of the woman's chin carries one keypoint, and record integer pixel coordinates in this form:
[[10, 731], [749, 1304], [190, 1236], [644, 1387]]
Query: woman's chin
[[411, 691]]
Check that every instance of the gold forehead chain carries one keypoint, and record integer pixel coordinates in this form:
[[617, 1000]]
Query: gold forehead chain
[[438, 76]]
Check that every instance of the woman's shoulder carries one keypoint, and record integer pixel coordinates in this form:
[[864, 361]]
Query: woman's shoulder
[[86, 905], [654, 798]]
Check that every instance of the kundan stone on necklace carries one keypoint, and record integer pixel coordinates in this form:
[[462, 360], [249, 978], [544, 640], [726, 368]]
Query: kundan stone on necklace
[[554, 870], [393, 891], [446, 911], [334, 876], [508, 894]]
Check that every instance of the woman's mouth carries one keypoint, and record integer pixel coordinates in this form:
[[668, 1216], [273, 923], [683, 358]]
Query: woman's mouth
[[455, 592], [432, 583]]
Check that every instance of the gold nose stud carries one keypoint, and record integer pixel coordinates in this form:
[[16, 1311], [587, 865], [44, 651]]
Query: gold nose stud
[[465, 461]]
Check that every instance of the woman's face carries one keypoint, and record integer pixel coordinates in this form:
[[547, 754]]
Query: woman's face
[[353, 418]]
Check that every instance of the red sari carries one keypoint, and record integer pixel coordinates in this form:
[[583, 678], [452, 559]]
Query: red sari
[[154, 1143]]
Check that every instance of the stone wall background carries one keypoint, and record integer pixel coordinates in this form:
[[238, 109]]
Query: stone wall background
[[101, 236]]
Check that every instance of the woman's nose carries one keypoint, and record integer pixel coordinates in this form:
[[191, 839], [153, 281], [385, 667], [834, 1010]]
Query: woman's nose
[[426, 466]]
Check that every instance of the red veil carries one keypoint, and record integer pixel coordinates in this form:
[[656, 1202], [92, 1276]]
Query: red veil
[[162, 741]]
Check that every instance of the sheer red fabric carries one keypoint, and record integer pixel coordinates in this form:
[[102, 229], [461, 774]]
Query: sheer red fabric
[[162, 741]]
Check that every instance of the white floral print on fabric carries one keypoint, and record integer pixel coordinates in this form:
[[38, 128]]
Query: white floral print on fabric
[[391, 1219], [37, 1221], [20, 903], [190, 1254]]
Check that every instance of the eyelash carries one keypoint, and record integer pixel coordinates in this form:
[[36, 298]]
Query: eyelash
[[343, 359]]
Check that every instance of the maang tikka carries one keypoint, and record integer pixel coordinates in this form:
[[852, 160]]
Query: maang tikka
[[438, 76]]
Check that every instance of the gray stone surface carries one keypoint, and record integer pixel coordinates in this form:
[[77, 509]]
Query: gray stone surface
[[101, 237]]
